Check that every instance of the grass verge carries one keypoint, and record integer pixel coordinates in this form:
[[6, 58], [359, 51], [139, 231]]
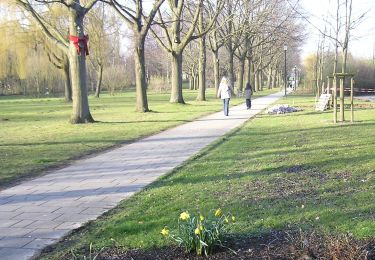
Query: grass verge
[[278, 171]]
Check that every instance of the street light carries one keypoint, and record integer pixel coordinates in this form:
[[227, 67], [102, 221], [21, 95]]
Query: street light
[[285, 76], [295, 77]]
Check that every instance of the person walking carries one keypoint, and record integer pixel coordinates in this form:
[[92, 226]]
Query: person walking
[[248, 94], [225, 93]]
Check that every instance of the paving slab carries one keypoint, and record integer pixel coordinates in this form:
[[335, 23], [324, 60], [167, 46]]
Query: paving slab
[[7, 253], [40, 212]]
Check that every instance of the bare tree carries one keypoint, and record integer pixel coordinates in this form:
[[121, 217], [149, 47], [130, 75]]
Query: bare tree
[[178, 32], [202, 58], [60, 60], [191, 64], [215, 44], [103, 28], [76, 48], [341, 38], [134, 15]]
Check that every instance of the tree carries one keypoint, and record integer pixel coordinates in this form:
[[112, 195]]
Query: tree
[[202, 59], [191, 64], [76, 48], [103, 28], [61, 61], [133, 14], [215, 44], [178, 33]]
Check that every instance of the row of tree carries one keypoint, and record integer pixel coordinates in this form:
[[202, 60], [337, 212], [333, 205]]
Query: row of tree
[[243, 36]]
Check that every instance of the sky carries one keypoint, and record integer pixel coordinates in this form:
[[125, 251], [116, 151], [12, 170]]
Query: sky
[[362, 43]]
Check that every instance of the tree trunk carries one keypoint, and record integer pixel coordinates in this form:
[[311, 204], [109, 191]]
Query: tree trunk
[[241, 72], [257, 80], [231, 67], [176, 91], [81, 111], [269, 78], [192, 78], [249, 70], [99, 83], [216, 62], [252, 76], [342, 81], [140, 75], [196, 85], [68, 84], [274, 77], [23, 86], [202, 70]]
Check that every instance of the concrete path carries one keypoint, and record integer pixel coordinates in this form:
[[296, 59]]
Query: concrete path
[[39, 212]]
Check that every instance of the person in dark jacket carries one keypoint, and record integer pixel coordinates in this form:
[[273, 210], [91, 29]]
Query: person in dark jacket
[[248, 94]]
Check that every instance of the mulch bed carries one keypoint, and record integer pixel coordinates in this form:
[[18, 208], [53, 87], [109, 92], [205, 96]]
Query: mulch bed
[[276, 245]]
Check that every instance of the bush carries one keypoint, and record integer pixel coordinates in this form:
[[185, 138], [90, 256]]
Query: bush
[[159, 83]]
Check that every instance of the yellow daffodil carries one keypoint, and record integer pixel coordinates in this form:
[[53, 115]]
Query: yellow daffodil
[[201, 227], [184, 216], [218, 213], [201, 217], [197, 231], [164, 232], [233, 218]]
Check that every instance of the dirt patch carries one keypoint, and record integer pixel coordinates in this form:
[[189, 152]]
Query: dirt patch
[[295, 169], [275, 245]]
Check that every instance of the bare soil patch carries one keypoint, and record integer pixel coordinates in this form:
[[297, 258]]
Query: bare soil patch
[[275, 245]]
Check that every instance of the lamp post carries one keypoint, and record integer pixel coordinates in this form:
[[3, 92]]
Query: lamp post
[[295, 77], [285, 76]]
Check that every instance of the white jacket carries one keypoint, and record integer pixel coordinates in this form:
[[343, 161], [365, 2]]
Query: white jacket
[[225, 91]]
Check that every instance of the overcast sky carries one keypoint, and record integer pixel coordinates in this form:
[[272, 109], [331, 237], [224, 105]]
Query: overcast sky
[[363, 38]]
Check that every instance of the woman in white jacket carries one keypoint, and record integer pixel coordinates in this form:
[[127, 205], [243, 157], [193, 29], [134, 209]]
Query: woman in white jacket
[[225, 93]]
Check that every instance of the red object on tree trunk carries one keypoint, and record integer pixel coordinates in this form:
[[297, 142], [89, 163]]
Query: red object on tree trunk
[[80, 40]]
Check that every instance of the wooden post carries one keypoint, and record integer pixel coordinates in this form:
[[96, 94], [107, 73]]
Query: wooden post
[[341, 77], [342, 99], [329, 105], [351, 99], [335, 99]]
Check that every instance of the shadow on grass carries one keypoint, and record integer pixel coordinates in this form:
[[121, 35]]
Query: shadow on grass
[[306, 169], [143, 121]]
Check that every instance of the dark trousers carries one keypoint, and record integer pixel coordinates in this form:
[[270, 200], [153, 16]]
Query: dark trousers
[[248, 103], [226, 106]]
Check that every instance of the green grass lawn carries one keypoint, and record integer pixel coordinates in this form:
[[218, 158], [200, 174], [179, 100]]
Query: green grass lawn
[[276, 172], [35, 133]]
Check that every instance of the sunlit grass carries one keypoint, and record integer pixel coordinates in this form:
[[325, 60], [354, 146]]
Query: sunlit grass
[[276, 172], [35, 133]]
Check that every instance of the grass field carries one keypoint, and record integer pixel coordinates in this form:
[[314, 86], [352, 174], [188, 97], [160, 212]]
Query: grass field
[[35, 133], [276, 172]]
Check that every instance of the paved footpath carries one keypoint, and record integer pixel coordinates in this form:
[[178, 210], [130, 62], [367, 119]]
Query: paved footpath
[[40, 212]]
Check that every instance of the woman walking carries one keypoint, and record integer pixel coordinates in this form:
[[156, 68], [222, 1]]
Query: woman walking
[[248, 94], [225, 93]]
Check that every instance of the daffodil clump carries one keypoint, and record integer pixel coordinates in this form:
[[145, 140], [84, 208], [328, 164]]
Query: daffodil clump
[[200, 233]]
